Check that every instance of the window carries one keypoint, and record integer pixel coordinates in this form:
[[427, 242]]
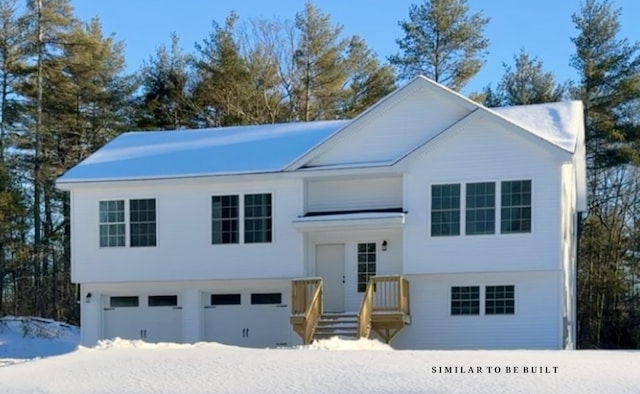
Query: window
[[123, 302], [112, 226], [163, 300], [480, 208], [366, 264], [224, 220], [266, 298], [225, 299], [142, 216], [445, 210], [516, 207], [257, 218], [499, 300], [465, 300]]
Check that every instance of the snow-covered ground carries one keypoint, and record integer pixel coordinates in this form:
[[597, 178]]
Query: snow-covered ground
[[331, 366]]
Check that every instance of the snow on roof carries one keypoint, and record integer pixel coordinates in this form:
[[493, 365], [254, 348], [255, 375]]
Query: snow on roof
[[217, 151], [272, 148], [557, 123]]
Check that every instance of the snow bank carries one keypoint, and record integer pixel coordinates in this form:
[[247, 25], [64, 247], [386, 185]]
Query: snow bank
[[30, 337], [125, 366], [336, 343]]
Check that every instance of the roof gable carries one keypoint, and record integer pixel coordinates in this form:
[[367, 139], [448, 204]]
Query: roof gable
[[394, 126], [419, 112]]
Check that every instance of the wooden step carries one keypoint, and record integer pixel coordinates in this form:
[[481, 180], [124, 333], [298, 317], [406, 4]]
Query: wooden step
[[344, 325]]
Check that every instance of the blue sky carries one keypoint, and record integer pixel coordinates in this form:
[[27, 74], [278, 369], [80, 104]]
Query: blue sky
[[542, 27]]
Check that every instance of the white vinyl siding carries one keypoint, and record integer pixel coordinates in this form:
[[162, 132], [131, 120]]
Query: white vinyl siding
[[535, 324], [353, 194], [396, 128], [486, 152]]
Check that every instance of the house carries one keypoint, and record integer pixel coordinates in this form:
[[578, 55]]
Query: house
[[428, 220]]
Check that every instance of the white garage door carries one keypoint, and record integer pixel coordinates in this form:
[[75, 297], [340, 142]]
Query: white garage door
[[250, 319], [152, 318]]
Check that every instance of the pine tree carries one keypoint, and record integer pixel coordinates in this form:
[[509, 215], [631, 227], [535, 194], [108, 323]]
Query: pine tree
[[167, 80], [46, 25], [526, 83], [609, 87], [223, 78], [12, 59], [320, 64], [609, 69], [368, 82], [443, 42]]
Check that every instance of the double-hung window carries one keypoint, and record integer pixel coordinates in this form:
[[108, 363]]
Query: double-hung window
[[112, 224], [142, 216], [480, 214], [516, 207], [224, 219], [257, 218], [252, 218], [141, 223], [445, 210]]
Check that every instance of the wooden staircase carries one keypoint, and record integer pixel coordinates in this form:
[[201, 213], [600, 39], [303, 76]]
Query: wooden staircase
[[343, 325], [384, 310]]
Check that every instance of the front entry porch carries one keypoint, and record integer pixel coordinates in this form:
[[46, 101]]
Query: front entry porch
[[384, 309]]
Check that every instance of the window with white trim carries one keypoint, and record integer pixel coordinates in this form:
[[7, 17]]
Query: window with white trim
[[142, 222], [366, 264], [225, 219], [499, 300], [112, 224], [257, 218], [465, 300], [480, 213], [515, 207], [445, 210]]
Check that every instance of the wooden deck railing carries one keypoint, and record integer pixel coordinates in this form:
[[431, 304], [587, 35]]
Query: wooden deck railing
[[385, 307], [306, 306], [366, 308]]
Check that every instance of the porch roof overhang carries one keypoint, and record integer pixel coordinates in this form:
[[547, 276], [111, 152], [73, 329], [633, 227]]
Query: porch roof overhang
[[357, 221]]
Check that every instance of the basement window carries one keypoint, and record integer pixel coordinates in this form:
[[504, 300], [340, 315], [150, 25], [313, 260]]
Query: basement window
[[499, 300], [465, 300]]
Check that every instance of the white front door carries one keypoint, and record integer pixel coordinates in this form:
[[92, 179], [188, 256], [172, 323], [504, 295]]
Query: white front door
[[330, 267]]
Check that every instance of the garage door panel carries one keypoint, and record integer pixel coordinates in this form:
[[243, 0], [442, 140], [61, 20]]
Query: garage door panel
[[256, 319], [125, 323], [224, 324], [269, 326], [149, 318]]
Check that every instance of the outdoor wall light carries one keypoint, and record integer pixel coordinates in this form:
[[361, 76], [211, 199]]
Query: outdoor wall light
[[384, 245], [88, 297]]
